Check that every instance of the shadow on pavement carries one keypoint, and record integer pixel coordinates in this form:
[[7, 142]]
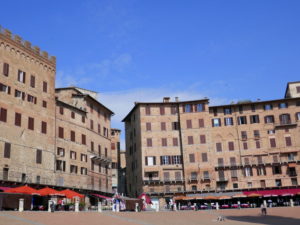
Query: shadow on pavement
[[268, 220]]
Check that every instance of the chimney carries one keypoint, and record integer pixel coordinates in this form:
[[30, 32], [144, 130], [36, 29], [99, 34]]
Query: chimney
[[166, 99], [176, 99]]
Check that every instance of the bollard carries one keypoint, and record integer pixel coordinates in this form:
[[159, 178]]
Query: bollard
[[291, 202], [157, 207], [77, 206], [118, 207], [136, 207], [21, 205], [49, 205], [99, 207], [217, 206]]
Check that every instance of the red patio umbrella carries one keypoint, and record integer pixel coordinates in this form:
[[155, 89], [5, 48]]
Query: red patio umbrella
[[49, 191], [23, 190], [71, 194]]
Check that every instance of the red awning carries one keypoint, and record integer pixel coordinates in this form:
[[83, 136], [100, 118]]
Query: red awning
[[275, 192], [71, 194], [102, 196], [4, 188], [49, 191], [23, 190]]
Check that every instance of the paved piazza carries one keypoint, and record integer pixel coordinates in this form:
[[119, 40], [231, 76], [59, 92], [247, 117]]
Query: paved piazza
[[280, 216]]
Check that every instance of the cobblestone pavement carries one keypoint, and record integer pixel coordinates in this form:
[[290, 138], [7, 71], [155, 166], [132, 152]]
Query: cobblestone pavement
[[276, 216]]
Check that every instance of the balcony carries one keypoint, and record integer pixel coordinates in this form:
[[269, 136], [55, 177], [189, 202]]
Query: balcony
[[205, 178], [285, 123], [100, 158], [173, 180], [151, 180], [193, 179], [222, 179]]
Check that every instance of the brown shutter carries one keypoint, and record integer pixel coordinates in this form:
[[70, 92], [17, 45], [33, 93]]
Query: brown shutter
[[5, 69], [219, 147], [192, 158], [30, 123], [231, 146], [201, 123], [257, 144], [204, 157], [154, 160], [189, 124], [146, 161], [8, 92], [183, 108], [273, 142], [245, 145], [7, 148], [3, 115], [288, 141], [23, 96], [202, 139], [38, 156], [18, 119]]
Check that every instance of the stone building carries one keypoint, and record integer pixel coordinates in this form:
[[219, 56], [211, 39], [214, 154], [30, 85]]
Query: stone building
[[115, 149], [83, 140], [27, 111], [49, 137], [181, 147]]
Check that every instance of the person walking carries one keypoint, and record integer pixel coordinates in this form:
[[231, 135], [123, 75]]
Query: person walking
[[263, 209]]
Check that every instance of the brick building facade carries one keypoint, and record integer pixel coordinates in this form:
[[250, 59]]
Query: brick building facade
[[186, 147]]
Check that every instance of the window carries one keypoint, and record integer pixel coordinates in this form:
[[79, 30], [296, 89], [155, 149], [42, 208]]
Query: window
[[188, 108], [5, 69], [32, 81], [242, 120], [206, 175], [99, 149], [190, 140], [244, 135], [39, 156], [21, 76], [165, 160], [261, 171], [228, 121], [192, 158], [194, 175], [5, 173], [83, 171], [60, 132], [99, 129], [23, 178], [44, 104], [44, 127], [73, 155], [298, 116], [61, 110], [189, 124], [298, 89], [175, 141], [259, 159], [256, 134], [83, 158], [235, 185], [4, 88], [248, 172], [72, 115], [215, 111], [200, 107], [30, 123], [231, 146], [83, 119], [257, 143], [148, 126], [38, 179], [245, 145], [268, 107], [7, 148], [18, 119], [278, 183], [269, 119], [149, 142], [204, 157], [92, 146], [150, 160], [163, 126], [246, 161], [162, 110], [216, 122], [285, 119], [294, 181], [219, 147], [240, 109], [272, 142], [271, 131], [60, 151], [291, 156], [73, 169], [45, 86], [220, 162], [3, 114], [164, 142], [282, 105], [227, 111], [201, 122], [60, 165], [276, 170], [173, 110], [202, 139], [232, 161], [253, 108], [72, 134], [147, 110], [113, 146], [92, 125], [31, 99], [175, 126], [176, 159], [288, 141], [254, 119], [263, 183], [178, 176]]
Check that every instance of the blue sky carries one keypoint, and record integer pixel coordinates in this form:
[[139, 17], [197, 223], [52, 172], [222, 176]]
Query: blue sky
[[139, 50]]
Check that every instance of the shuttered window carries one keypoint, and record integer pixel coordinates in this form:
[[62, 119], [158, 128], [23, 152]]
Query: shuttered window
[[288, 141], [44, 127], [39, 156], [202, 139], [257, 143], [245, 145], [148, 126], [7, 148], [18, 119], [72, 135], [32, 81], [192, 158], [5, 69], [30, 123], [204, 157], [219, 147], [162, 110], [232, 161], [149, 142], [83, 139], [201, 123], [147, 110], [61, 132], [164, 142], [190, 140], [189, 124], [44, 104], [231, 146], [3, 115], [272, 142], [163, 125], [61, 110], [175, 141], [45, 87]]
